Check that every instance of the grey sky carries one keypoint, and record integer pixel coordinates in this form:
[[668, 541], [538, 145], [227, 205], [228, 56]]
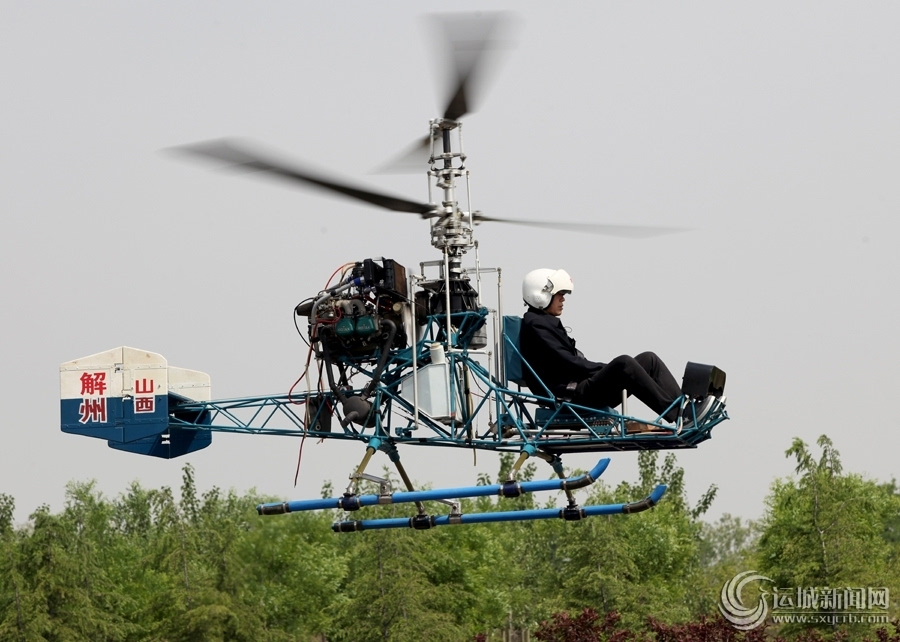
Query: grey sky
[[770, 128]]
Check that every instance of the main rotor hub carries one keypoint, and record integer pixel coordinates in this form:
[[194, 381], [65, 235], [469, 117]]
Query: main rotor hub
[[453, 231]]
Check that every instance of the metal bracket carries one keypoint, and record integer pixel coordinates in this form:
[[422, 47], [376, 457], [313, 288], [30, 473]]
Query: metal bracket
[[384, 485]]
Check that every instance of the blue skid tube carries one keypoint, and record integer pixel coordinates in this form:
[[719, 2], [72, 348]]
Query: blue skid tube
[[508, 489], [571, 513]]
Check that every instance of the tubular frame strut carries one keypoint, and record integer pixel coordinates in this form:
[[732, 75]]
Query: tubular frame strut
[[408, 408]]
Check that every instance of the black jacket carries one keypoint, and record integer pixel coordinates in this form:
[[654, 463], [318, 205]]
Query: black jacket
[[547, 347]]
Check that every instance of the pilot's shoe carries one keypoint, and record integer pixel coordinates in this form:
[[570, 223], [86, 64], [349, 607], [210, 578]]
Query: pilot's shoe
[[701, 408]]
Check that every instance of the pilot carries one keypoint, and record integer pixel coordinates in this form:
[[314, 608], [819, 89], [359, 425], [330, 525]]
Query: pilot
[[551, 352]]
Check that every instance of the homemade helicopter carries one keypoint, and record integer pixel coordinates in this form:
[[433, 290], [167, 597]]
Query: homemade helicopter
[[395, 357]]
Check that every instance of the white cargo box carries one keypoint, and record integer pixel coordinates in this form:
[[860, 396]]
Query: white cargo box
[[433, 382]]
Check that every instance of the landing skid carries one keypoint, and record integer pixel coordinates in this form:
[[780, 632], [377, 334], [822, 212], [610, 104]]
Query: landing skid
[[424, 521]]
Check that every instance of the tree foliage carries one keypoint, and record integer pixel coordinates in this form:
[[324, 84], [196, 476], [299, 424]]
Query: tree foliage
[[147, 566], [826, 528]]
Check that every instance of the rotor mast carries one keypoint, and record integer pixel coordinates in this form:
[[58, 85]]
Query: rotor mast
[[452, 232]]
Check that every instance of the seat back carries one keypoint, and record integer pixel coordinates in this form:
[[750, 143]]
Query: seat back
[[515, 367], [512, 358]]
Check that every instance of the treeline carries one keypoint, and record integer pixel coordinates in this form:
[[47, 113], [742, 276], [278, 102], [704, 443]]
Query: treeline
[[145, 566]]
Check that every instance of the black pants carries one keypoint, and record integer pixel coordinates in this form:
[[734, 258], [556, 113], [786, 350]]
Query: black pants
[[644, 376]]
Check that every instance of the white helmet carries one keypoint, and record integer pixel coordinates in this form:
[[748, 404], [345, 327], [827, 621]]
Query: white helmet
[[539, 286]]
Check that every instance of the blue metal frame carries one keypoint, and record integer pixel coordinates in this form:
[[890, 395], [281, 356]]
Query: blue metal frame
[[423, 521], [570, 513], [510, 489], [521, 420]]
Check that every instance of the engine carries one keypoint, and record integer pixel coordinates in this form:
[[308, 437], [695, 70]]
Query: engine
[[361, 320], [357, 325], [362, 317]]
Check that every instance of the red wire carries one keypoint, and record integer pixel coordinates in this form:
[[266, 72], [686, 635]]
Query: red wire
[[306, 370], [303, 439], [328, 282], [299, 457]]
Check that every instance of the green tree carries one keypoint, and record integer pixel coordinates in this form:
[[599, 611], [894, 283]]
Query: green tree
[[13, 621], [68, 592], [194, 566], [638, 565], [727, 547], [826, 528], [293, 573], [396, 588]]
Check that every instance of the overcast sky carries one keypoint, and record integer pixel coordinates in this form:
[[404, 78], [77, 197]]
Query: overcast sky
[[772, 129]]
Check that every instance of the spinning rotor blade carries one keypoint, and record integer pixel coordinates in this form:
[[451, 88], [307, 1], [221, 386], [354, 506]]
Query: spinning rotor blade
[[624, 231], [469, 37], [240, 158], [413, 160]]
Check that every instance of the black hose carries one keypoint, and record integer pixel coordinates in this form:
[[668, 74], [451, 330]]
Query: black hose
[[326, 357], [382, 360], [638, 506]]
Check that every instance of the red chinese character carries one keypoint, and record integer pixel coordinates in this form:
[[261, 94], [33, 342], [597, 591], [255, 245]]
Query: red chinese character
[[93, 383], [144, 404], [93, 410], [143, 387]]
